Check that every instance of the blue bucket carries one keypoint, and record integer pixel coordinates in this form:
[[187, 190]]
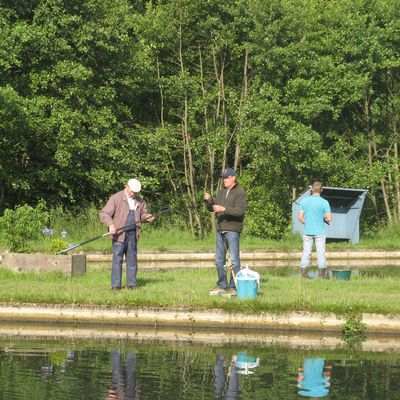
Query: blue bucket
[[246, 363], [243, 358], [247, 284], [341, 274]]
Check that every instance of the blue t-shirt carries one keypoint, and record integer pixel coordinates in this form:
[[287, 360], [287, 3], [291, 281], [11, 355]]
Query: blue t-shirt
[[314, 383], [314, 207]]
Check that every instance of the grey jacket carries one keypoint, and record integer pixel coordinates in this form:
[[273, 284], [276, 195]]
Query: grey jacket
[[116, 212], [235, 206]]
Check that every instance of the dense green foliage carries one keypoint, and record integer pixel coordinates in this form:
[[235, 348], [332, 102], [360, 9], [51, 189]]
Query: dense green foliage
[[94, 92], [22, 226]]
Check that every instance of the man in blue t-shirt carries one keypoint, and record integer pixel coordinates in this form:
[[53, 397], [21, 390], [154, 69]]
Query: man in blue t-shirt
[[314, 212], [314, 378]]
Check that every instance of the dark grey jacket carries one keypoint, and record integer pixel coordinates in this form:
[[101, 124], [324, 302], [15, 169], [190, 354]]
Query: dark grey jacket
[[235, 206]]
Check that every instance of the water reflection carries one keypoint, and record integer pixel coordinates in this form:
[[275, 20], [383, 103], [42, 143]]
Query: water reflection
[[103, 370], [226, 379], [314, 378], [246, 363], [227, 372], [123, 381]]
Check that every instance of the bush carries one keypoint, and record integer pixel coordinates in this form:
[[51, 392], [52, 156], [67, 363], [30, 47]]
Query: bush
[[57, 245], [23, 225]]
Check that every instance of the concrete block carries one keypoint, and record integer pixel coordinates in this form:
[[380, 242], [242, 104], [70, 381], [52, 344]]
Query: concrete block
[[78, 264], [70, 265]]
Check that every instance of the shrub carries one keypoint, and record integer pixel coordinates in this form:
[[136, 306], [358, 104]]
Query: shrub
[[354, 329], [23, 225], [57, 245]]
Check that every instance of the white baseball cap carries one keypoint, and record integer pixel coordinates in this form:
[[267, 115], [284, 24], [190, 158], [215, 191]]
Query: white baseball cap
[[134, 185]]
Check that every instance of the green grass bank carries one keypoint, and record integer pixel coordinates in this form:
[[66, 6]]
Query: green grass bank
[[280, 291]]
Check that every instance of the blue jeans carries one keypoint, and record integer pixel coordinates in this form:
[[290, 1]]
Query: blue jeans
[[228, 240], [129, 248], [223, 389], [124, 379], [308, 241]]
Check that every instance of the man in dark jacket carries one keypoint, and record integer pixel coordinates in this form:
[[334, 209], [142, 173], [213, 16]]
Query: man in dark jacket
[[230, 206], [125, 209]]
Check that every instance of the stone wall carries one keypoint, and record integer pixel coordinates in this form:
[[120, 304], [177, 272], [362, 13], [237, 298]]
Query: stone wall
[[70, 265]]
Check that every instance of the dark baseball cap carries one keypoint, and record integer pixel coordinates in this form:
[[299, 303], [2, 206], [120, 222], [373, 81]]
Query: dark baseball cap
[[228, 172]]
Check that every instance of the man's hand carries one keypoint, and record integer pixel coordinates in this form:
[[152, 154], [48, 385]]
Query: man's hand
[[112, 230], [218, 208], [207, 197], [328, 218], [300, 216], [150, 218]]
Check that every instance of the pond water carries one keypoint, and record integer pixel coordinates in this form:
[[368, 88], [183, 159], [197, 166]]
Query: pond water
[[38, 370]]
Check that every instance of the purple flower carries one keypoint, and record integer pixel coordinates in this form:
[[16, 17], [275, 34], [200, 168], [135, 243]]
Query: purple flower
[[71, 245], [46, 231], [64, 234]]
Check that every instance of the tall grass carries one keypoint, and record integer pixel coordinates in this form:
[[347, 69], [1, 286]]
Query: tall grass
[[386, 236], [79, 227]]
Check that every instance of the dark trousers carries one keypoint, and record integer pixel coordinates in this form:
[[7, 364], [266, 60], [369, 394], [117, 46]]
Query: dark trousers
[[124, 379], [129, 249]]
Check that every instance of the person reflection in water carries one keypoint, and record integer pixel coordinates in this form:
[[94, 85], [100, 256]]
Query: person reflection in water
[[314, 378], [226, 382], [123, 382]]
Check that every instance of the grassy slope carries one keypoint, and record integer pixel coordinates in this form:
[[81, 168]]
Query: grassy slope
[[189, 288]]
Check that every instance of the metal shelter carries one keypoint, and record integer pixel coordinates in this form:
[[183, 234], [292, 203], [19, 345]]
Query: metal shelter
[[346, 205]]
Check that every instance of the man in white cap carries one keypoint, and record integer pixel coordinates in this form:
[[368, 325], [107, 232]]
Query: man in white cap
[[123, 214]]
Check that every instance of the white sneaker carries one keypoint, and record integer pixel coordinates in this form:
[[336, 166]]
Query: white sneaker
[[217, 291]]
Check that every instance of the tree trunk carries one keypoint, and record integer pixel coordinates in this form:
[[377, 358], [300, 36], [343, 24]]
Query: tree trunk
[[393, 123], [243, 97], [372, 154], [192, 208], [383, 185], [161, 94], [220, 108], [396, 175], [209, 179]]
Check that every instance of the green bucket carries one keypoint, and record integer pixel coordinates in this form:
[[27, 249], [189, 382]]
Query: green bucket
[[341, 274]]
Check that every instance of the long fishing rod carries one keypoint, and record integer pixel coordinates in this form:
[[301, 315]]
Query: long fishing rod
[[119, 230]]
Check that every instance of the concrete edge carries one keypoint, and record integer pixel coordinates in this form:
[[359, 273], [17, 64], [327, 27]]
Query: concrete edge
[[75, 264], [250, 256], [295, 330], [146, 335], [290, 321]]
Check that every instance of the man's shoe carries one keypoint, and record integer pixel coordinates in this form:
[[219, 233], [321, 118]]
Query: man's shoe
[[216, 291], [323, 273], [304, 273], [231, 292], [116, 288], [132, 287]]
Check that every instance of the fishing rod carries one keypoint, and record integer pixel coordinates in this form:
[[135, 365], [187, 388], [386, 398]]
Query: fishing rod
[[119, 230]]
